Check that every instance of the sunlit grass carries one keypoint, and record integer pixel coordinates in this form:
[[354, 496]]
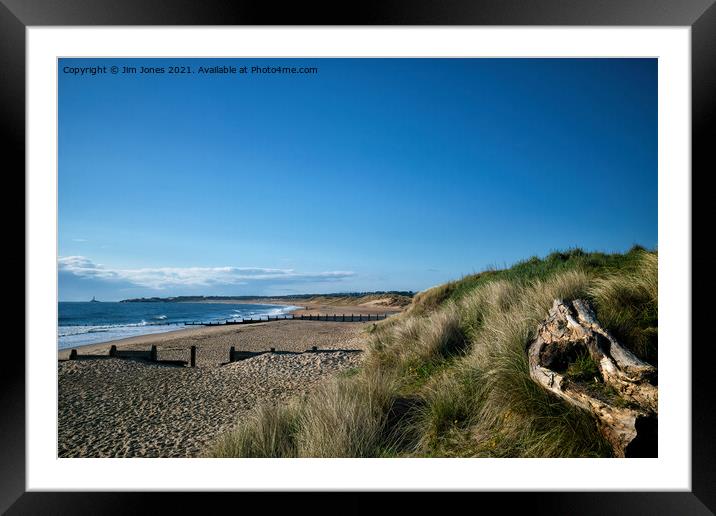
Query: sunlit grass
[[449, 377]]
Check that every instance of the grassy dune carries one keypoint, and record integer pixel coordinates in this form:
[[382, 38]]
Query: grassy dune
[[449, 376]]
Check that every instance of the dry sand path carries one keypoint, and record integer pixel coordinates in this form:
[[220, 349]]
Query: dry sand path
[[124, 408]]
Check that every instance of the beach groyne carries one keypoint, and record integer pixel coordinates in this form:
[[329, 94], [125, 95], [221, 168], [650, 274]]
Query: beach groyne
[[136, 354], [291, 317], [213, 342], [151, 354]]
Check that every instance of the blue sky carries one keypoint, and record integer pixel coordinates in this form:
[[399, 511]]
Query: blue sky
[[373, 174]]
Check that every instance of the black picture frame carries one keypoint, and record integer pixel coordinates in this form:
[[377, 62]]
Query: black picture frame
[[700, 15]]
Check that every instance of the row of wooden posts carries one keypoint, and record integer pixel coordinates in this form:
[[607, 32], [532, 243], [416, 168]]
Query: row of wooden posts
[[151, 355], [342, 317], [308, 317]]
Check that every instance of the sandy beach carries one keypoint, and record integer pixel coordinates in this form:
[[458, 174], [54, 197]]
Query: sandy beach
[[112, 407]]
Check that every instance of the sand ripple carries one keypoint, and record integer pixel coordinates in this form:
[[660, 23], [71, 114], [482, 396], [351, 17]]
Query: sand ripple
[[125, 408]]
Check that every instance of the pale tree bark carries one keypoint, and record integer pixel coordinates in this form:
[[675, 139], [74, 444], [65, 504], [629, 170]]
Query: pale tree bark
[[627, 417]]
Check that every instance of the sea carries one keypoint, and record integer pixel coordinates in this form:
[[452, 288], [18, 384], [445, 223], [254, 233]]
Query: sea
[[81, 323]]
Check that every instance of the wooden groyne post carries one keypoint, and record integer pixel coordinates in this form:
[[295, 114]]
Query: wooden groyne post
[[153, 353], [340, 317], [113, 351], [73, 354], [192, 356], [231, 354]]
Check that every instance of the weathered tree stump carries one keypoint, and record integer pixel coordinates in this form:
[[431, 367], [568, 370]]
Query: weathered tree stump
[[624, 400]]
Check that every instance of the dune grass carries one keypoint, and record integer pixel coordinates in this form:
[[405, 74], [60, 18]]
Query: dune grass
[[449, 377], [627, 304], [345, 417]]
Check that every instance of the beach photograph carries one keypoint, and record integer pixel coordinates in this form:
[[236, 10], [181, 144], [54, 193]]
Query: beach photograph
[[357, 258]]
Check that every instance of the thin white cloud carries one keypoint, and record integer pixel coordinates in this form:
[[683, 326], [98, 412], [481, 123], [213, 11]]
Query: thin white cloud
[[163, 277], [79, 240]]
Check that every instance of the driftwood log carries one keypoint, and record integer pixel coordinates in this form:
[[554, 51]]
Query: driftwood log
[[624, 400]]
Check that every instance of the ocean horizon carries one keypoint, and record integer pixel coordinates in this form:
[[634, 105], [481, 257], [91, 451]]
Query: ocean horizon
[[80, 323]]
